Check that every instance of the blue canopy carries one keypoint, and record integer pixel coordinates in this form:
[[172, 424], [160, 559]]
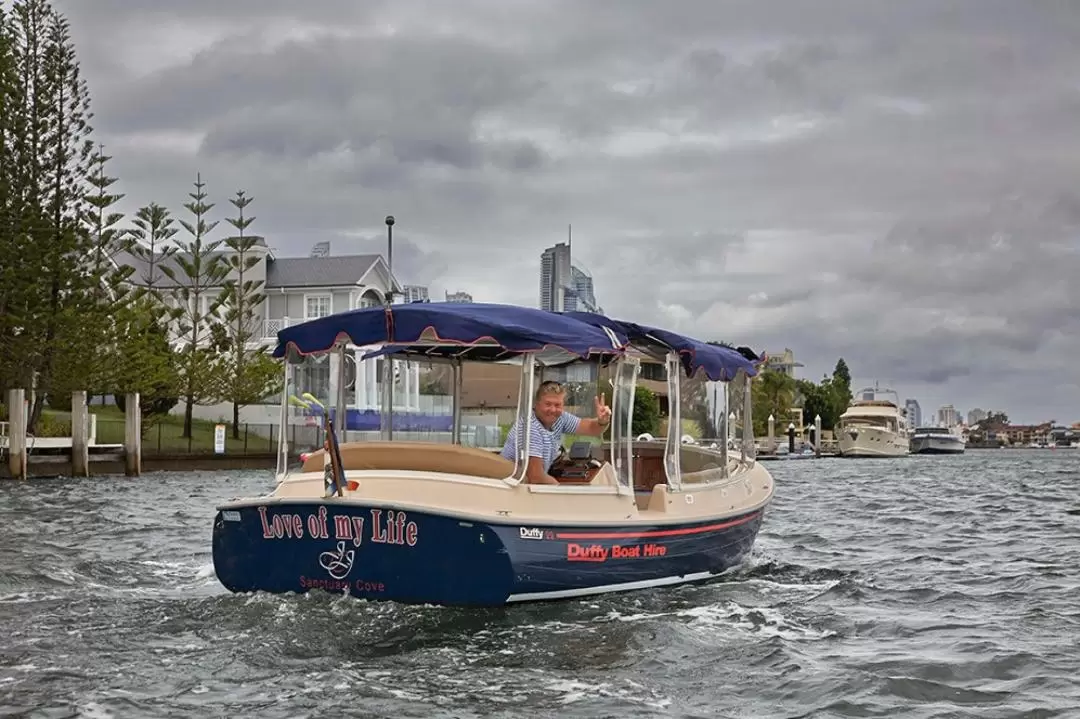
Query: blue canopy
[[474, 331], [719, 363]]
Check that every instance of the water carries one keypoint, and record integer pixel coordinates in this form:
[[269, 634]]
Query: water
[[916, 587]]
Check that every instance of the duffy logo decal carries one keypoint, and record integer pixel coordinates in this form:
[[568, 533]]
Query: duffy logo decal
[[338, 564]]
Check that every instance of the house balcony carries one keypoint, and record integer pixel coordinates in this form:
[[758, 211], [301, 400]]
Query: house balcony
[[270, 328]]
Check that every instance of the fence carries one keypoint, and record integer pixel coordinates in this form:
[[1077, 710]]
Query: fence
[[166, 438]]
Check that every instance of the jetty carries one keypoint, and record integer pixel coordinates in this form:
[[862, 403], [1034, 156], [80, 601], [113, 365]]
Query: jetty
[[82, 454]]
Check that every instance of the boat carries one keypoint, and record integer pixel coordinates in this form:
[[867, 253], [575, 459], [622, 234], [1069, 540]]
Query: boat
[[453, 525], [873, 427], [936, 440]]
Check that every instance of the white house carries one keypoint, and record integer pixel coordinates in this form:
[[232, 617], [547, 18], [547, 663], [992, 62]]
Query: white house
[[304, 288]]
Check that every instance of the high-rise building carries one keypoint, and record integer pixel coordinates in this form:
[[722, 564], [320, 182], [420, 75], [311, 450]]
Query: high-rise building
[[554, 276], [976, 415], [913, 412], [414, 293], [947, 416], [565, 286], [581, 296], [459, 297]]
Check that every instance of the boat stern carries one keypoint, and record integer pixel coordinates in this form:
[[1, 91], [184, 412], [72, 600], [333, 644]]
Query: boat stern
[[365, 551]]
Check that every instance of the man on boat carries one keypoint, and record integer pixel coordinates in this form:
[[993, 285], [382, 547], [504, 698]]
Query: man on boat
[[549, 424]]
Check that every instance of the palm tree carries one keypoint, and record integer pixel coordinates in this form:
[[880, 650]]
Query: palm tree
[[773, 393]]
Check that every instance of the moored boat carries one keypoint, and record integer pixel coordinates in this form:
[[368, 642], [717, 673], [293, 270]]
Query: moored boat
[[936, 440], [873, 427], [449, 524]]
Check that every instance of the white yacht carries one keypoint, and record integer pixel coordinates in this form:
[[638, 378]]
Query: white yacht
[[937, 440], [873, 427]]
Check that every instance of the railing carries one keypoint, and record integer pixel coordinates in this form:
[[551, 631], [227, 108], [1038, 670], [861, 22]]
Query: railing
[[270, 328], [165, 438], [47, 442]]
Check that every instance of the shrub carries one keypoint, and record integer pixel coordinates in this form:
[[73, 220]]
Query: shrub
[[50, 426], [646, 412]]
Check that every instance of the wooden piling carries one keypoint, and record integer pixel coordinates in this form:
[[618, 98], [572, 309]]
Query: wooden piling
[[132, 435], [17, 433], [80, 453]]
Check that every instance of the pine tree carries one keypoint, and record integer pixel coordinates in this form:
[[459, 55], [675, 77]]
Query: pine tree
[[107, 240], [145, 360], [52, 154], [840, 387], [199, 274], [12, 281], [20, 266], [249, 375], [90, 359], [842, 374], [151, 241]]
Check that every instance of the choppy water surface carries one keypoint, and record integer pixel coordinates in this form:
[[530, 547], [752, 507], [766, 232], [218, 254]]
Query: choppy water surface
[[916, 587]]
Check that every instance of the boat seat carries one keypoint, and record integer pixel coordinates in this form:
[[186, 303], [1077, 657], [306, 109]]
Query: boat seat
[[417, 457]]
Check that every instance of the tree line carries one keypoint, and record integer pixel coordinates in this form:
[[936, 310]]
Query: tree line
[[775, 392], [90, 300]]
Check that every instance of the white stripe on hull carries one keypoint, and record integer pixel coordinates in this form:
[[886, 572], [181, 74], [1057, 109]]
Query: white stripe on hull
[[608, 588]]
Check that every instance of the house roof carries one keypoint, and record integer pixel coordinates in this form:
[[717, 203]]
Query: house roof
[[141, 275], [318, 271], [282, 272]]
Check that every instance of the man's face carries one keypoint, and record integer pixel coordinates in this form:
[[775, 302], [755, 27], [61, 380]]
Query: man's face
[[549, 407]]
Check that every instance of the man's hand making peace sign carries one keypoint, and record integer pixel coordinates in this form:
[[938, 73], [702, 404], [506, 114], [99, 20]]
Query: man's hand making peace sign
[[603, 412]]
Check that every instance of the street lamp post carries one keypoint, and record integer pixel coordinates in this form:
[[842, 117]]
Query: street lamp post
[[390, 257], [388, 362]]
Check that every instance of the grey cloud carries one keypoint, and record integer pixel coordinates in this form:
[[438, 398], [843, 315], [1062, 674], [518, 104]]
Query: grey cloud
[[377, 101], [103, 12], [889, 182]]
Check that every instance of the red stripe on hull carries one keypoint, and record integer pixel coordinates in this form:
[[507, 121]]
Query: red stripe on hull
[[657, 532]]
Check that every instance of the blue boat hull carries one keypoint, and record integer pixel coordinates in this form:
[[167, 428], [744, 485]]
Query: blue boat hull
[[426, 558]]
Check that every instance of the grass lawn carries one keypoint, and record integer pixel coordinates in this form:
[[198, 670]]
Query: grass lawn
[[164, 436]]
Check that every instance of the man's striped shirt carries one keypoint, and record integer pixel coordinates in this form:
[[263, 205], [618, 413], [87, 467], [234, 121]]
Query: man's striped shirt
[[543, 442]]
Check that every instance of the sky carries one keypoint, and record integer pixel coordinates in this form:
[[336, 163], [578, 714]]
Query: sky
[[892, 183]]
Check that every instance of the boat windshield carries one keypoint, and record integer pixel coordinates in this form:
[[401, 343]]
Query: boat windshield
[[881, 421], [566, 394]]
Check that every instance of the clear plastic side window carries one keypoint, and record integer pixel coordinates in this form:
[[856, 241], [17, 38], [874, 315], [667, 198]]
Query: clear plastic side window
[[673, 442], [522, 426], [740, 431], [283, 420], [622, 414], [704, 411], [749, 451]]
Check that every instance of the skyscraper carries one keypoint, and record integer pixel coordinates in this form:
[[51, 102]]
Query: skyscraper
[[554, 276], [913, 412], [564, 286]]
